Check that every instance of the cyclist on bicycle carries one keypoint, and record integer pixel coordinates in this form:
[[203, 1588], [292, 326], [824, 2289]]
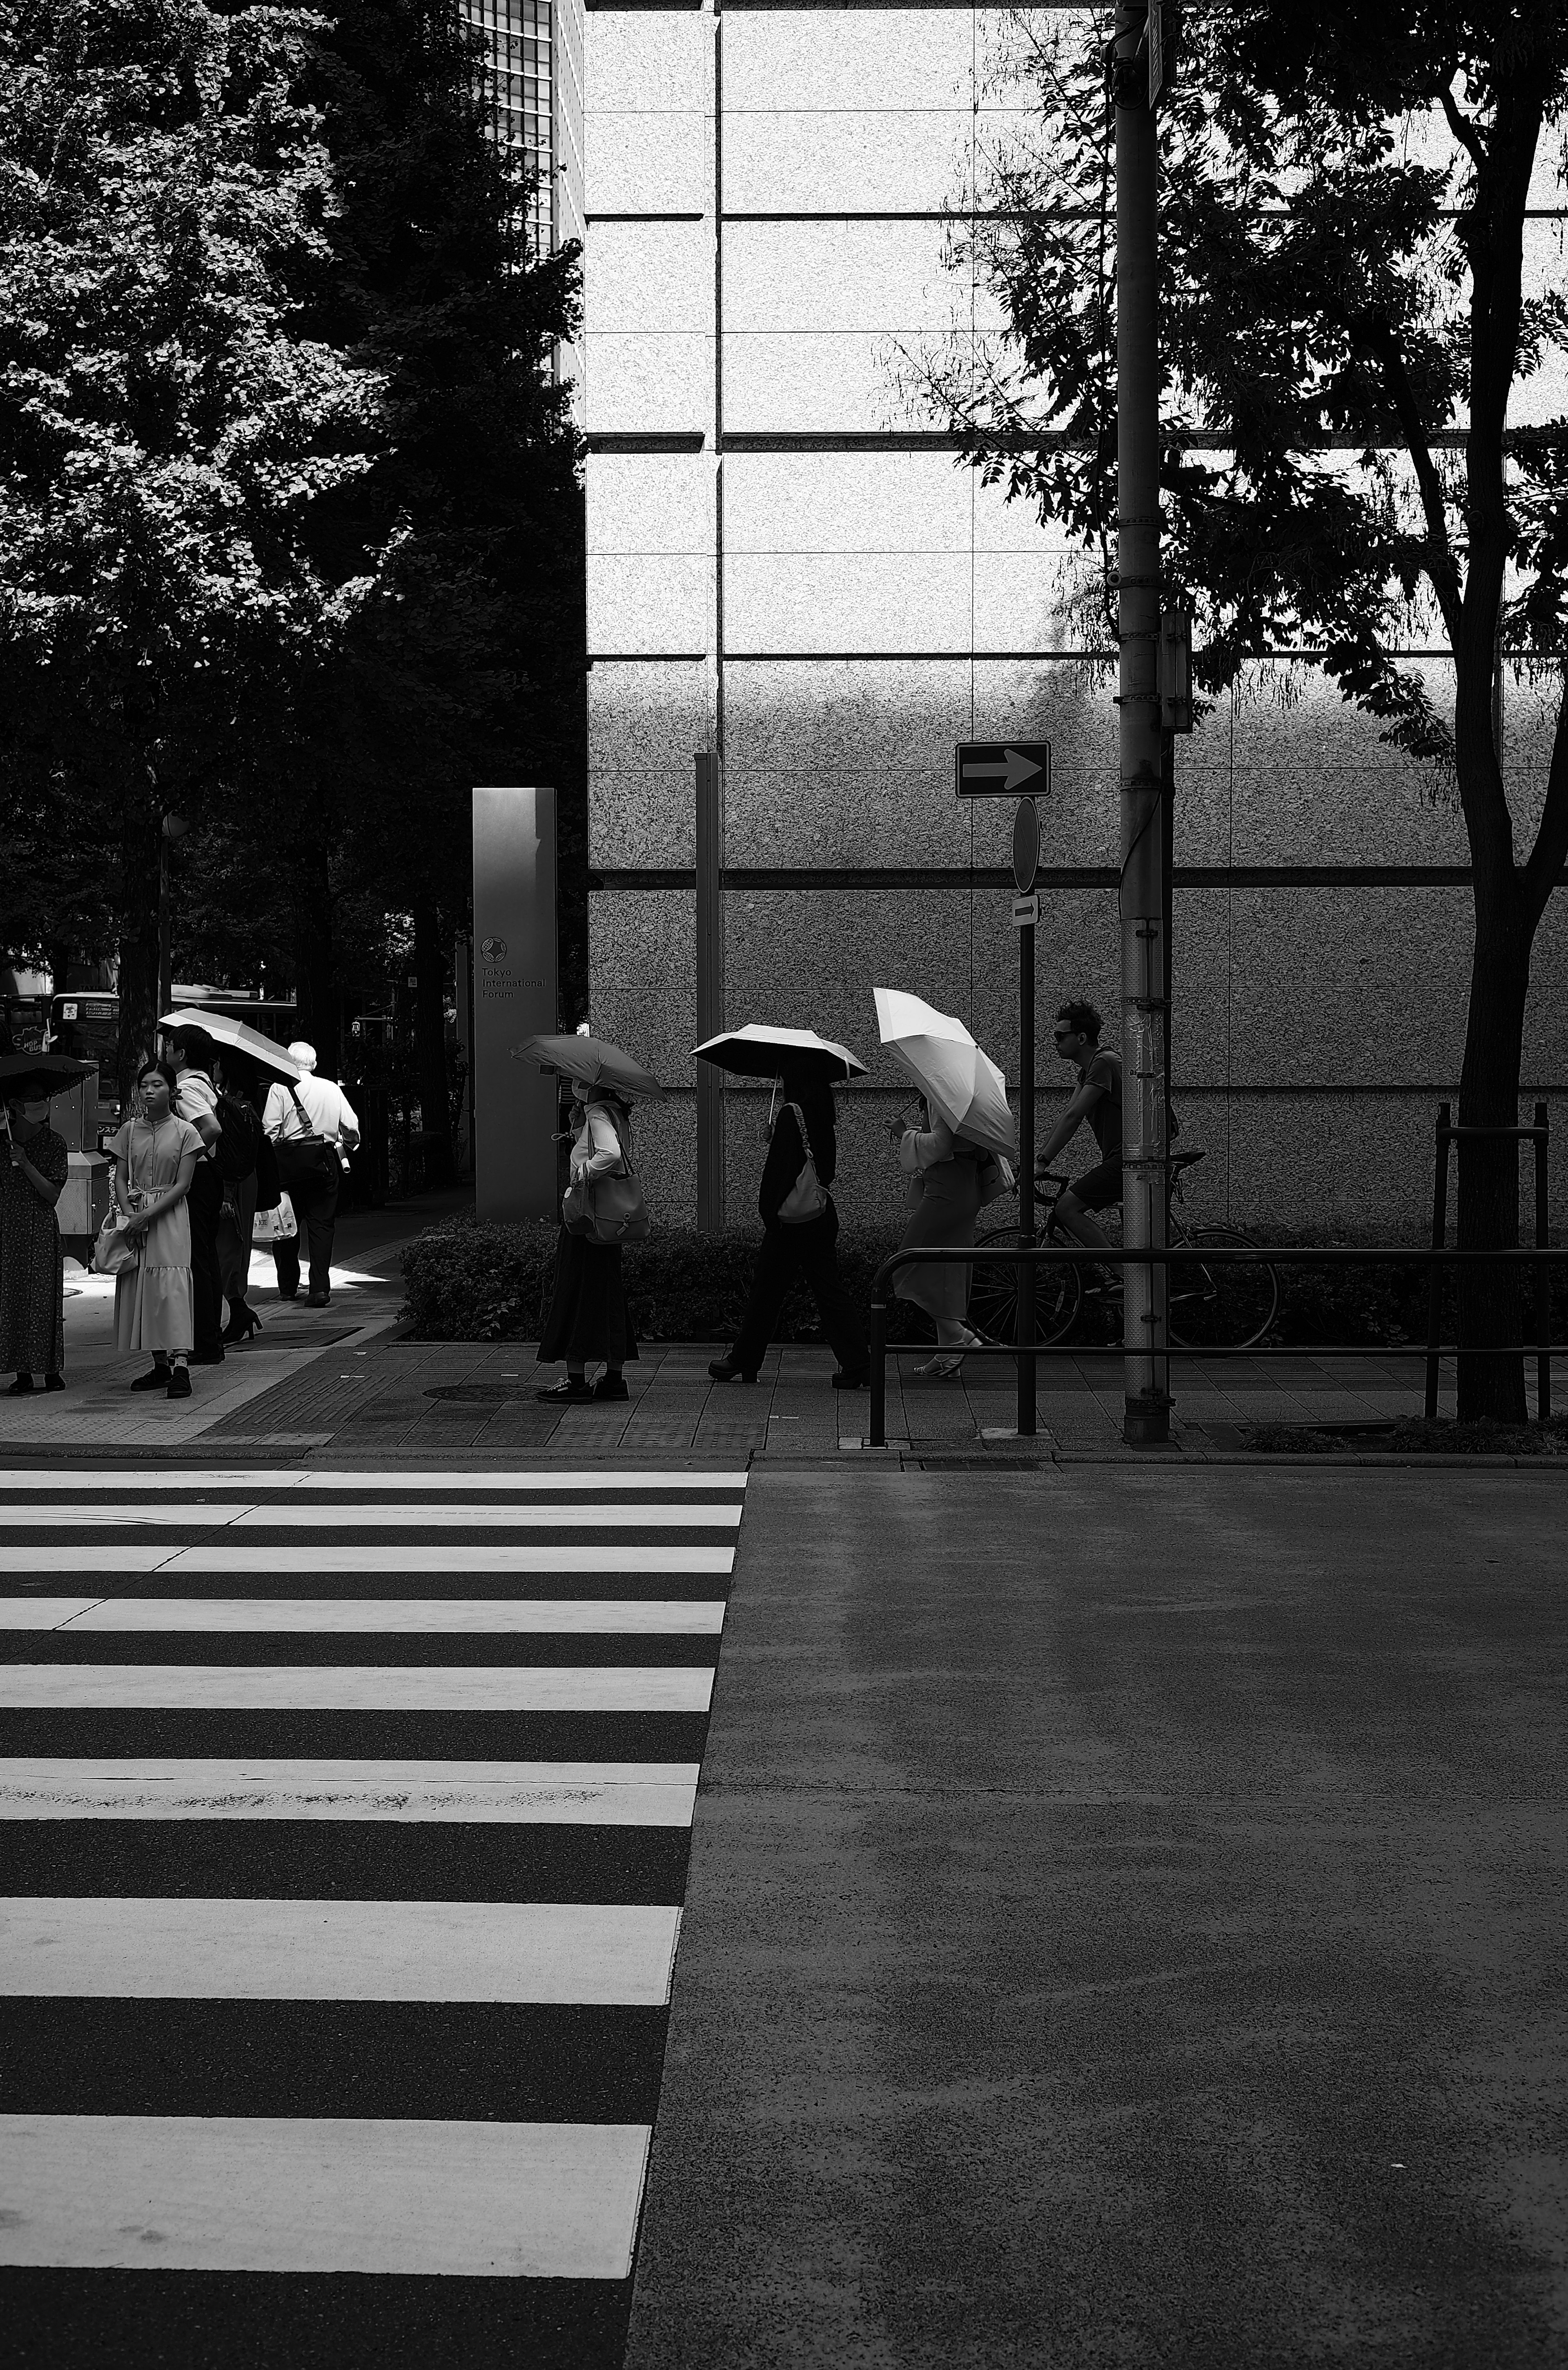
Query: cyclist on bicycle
[[1097, 1099]]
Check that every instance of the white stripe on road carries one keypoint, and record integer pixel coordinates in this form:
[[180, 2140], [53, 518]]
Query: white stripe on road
[[55, 1516], [196, 1686], [383, 1616], [259, 2193], [375, 1555], [269, 1476], [525, 1953], [554, 1793]]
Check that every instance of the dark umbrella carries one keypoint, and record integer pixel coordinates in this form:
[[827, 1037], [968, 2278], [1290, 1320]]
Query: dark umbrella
[[28, 1078], [594, 1062]]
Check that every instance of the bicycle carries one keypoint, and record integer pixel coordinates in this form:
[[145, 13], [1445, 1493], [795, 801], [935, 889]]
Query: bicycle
[[1228, 1308]]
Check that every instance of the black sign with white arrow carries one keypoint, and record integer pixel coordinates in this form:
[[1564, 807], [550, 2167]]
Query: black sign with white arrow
[[1000, 770]]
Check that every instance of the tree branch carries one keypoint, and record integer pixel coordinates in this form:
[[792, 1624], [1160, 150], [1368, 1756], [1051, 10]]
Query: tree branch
[[1463, 130], [1441, 565]]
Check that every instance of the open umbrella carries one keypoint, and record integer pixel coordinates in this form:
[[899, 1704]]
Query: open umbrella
[[28, 1078], [963, 1085], [592, 1061], [755, 1051], [234, 1033]]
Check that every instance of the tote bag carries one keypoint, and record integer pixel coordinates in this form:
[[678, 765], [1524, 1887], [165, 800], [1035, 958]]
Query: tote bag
[[276, 1224], [115, 1252]]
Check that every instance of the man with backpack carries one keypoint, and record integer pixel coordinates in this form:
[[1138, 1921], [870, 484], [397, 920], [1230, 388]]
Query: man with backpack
[[311, 1125]]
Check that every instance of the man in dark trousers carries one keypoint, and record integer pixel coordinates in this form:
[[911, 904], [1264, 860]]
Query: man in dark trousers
[[196, 1098], [314, 1116], [1098, 1099]]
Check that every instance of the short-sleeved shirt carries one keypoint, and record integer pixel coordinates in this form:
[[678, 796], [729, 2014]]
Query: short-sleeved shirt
[[327, 1108], [1103, 1069], [194, 1091]]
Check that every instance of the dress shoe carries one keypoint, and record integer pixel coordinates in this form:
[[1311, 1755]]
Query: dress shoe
[[567, 1394], [179, 1384], [55, 1382], [318, 1300], [208, 1357], [152, 1380], [611, 1387], [20, 1387], [724, 1370]]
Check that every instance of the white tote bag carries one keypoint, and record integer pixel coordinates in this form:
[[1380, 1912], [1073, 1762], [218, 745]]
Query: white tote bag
[[275, 1225]]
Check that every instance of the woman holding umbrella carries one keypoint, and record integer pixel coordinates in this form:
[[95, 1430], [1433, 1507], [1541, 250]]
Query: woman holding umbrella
[[589, 1321], [800, 1222], [34, 1164]]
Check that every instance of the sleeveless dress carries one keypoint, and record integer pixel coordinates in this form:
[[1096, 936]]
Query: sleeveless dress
[[153, 1306]]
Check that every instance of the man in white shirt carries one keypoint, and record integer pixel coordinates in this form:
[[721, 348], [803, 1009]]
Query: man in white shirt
[[310, 1113]]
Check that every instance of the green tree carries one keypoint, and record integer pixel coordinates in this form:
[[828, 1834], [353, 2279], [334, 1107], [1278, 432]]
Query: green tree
[[166, 420], [1347, 335]]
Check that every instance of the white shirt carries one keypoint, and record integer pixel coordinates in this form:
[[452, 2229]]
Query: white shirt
[[328, 1111], [597, 1151]]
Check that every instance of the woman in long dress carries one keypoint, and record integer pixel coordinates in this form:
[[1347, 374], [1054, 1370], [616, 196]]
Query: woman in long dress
[[154, 1158], [588, 1319], [800, 1224], [34, 1164], [943, 1170]]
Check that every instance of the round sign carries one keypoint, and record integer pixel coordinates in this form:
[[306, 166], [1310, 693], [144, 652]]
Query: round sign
[[1026, 844]]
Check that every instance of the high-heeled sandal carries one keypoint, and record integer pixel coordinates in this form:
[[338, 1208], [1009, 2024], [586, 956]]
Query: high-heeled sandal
[[242, 1324], [948, 1362]]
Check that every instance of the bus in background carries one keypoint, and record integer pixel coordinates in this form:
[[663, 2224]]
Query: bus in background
[[84, 1025]]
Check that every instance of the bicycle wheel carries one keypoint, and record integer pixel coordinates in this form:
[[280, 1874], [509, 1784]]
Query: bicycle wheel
[[992, 1295], [1220, 1307]]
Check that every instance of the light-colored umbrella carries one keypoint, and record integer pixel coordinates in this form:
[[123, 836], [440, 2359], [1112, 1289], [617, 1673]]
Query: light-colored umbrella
[[594, 1062], [234, 1033], [961, 1084], [756, 1051]]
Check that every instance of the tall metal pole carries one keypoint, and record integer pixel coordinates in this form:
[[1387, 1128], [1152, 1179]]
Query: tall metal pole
[[1143, 815], [1026, 1365], [709, 990]]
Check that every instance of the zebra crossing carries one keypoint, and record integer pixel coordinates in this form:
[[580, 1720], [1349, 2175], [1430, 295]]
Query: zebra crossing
[[345, 1818]]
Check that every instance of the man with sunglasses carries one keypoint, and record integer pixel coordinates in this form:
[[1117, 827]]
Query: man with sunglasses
[[1098, 1099]]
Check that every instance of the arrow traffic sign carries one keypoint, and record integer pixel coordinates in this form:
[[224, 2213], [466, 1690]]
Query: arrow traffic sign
[[993, 769]]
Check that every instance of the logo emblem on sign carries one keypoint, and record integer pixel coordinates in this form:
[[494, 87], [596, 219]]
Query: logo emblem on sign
[[492, 950]]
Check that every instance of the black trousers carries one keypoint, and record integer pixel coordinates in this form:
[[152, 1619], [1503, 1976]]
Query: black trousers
[[786, 1252], [205, 1205], [315, 1208]]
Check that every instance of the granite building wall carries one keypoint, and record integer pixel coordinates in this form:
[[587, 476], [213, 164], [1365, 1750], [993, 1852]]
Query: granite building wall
[[789, 565]]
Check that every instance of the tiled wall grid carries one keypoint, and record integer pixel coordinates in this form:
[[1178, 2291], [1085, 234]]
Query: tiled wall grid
[[785, 565]]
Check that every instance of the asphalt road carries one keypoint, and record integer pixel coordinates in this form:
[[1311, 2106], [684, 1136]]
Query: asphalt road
[[1125, 1928]]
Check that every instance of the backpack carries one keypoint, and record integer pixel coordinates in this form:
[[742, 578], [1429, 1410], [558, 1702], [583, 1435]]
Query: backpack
[[807, 1197], [234, 1153], [269, 1184]]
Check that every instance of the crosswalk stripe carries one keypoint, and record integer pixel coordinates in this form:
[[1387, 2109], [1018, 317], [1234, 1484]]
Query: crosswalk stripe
[[168, 1479], [378, 1687], [536, 1952], [565, 1793], [374, 1556], [224, 2194], [243, 1516], [392, 1615]]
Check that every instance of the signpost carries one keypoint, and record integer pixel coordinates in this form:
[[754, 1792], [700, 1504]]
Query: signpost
[[1000, 769], [1026, 913]]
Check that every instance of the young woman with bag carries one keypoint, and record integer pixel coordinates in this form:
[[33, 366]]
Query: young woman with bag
[[944, 1196], [799, 1232], [154, 1158], [588, 1318]]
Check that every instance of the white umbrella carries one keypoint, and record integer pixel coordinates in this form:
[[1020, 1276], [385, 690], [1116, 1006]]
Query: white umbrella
[[234, 1033], [963, 1085], [755, 1051]]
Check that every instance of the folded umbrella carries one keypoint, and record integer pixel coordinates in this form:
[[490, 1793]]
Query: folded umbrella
[[237, 1036], [756, 1051], [592, 1061], [962, 1083], [29, 1077]]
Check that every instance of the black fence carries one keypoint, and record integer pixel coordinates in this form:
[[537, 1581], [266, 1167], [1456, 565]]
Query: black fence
[[1272, 1254]]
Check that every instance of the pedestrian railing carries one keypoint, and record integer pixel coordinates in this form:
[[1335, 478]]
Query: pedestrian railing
[[1432, 1350]]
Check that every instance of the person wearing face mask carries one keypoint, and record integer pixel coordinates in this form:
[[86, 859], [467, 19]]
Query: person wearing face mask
[[34, 1164], [588, 1319], [154, 1158]]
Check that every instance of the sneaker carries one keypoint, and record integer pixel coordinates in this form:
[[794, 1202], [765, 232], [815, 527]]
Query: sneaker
[[179, 1384], [611, 1387], [152, 1380], [567, 1394]]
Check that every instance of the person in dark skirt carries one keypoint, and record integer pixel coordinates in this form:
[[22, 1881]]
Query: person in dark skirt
[[588, 1320], [799, 1232]]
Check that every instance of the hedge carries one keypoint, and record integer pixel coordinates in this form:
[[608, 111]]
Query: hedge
[[468, 1282]]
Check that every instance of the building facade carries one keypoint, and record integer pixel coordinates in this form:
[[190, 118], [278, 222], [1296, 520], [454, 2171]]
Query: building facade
[[791, 568]]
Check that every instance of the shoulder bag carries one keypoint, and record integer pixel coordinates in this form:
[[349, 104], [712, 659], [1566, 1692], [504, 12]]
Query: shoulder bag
[[114, 1252], [610, 1208], [305, 1159], [807, 1197]]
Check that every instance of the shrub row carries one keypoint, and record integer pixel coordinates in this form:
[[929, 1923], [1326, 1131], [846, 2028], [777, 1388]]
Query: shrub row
[[468, 1282]]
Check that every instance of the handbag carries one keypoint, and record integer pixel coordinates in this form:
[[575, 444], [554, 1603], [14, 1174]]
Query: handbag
[[276, 1224], [305, 1159], [608, 1209], [807, 1197], [114, 1252], [996, 1178]]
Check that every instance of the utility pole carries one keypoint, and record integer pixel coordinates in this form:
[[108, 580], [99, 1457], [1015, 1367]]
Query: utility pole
[[1144, 818], [709, 989], [174, 828]]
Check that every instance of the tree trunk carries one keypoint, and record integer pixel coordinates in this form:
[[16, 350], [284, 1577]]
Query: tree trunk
[[1489, 1298], [140, 824], [317, 989], [430, 1042]]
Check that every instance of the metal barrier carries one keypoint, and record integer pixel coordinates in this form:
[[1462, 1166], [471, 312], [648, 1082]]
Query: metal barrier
[[1272, 1254]]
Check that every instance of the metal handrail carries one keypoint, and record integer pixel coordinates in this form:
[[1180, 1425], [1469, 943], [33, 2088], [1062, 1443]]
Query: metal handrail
[[1228, 1255]]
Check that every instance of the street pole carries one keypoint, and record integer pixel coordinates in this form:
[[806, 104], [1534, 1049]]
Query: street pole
[[1143, 814], [709, 990], [1026, 1364]]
